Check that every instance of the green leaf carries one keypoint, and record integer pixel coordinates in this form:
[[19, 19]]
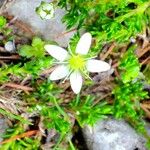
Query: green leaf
[[35, 50], [13, 116], [37, 42], [129, 66], [2, 22], [26, 51], [87, 113]]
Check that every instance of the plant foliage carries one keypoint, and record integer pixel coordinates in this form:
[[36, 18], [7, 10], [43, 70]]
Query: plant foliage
[[107, 20], [87, 113], [20, 144], [129, 66]]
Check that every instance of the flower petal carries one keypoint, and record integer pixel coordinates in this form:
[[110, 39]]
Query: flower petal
[[59, 73], [94, 65], [76, 82], [84, 44], [42, 14], [48, 7], [57, 52]]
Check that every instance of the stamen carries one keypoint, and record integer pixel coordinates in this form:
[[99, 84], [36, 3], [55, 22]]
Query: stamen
[[70, 51], [67, 76], [86, 75], [76, 62]]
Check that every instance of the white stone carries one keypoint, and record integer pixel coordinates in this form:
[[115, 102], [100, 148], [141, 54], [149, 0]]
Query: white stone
[[10, 46], [51, 29], [3, 127], [111, 134]]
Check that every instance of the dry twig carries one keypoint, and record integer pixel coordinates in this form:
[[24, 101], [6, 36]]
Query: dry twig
[[64, 33], [104, 56], [12, 57], [141, 52], [16, 86], [17, 137]]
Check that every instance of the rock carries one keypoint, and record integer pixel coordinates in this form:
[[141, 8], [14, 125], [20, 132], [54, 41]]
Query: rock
[[1, 2], [3, 127], [113, 134], [10, 46], [51, 29]]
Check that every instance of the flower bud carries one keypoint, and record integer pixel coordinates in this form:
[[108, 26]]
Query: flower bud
[[45, 10]]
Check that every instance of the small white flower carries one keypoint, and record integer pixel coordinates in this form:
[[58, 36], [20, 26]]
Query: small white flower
[[45, 10], [73, 66]]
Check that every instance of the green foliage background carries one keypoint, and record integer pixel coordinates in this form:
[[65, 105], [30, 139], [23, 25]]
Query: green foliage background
[[108, 21]]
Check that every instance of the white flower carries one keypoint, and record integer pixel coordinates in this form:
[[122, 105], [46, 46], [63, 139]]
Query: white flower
[[45, 10], [73, 66]]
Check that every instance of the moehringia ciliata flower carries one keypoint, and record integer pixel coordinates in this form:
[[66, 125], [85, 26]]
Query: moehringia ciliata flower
[[74, 66]]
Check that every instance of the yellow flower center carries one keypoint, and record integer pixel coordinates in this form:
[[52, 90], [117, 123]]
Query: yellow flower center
[[76, 62]]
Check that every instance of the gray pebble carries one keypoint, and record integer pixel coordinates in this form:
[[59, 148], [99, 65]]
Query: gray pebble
[[10, 46], [52, 29], [111, 134]]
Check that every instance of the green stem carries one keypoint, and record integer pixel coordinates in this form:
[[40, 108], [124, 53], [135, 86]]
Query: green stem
[[17, 117], [139, 10], [61, 110], [71, 145]]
